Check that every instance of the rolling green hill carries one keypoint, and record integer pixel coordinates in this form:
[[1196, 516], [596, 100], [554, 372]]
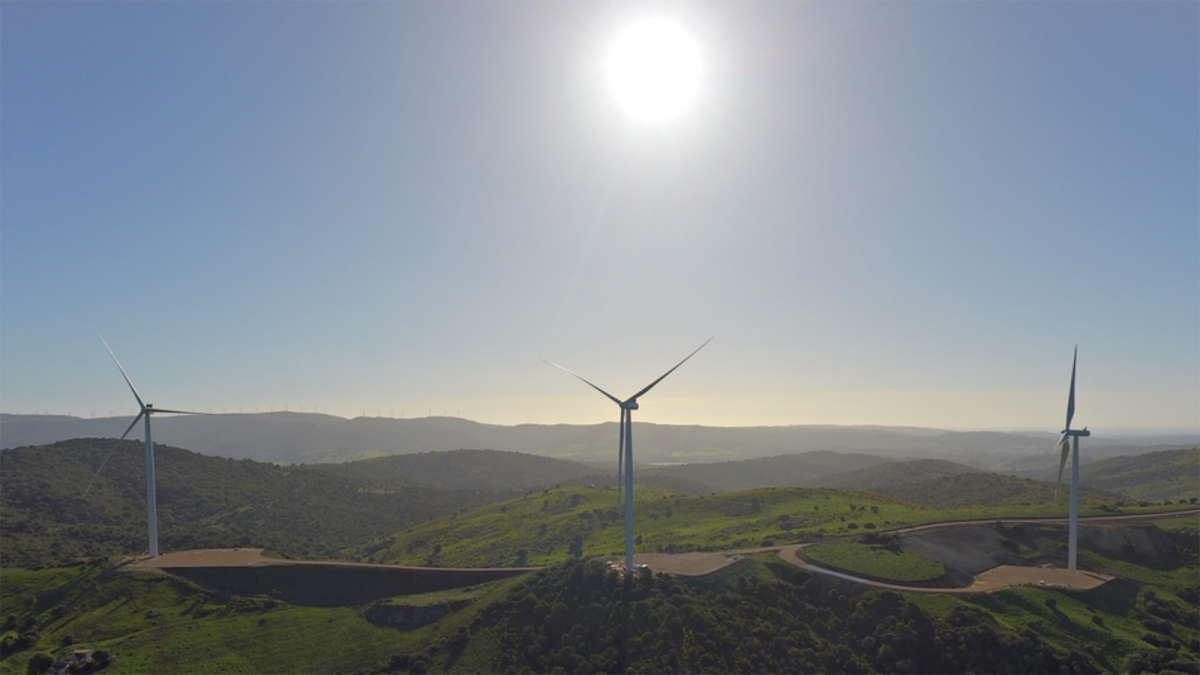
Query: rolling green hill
[[966, 490], [554, 525], [1172, 474], [302, 511], [938, 484]]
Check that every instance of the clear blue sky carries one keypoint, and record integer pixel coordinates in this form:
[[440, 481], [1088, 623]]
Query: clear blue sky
[[885, 213]]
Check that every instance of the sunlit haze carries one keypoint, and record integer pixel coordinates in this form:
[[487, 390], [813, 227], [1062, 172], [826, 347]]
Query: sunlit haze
[[883, 213], [654, 69]]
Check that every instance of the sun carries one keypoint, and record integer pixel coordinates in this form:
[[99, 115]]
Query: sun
[[654, 69]]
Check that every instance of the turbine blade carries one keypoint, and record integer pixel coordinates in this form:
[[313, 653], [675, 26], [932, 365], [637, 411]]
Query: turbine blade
[[120, 367], [660, 379], [610, 396], [1071, 398], [110, 453], [179, 412]]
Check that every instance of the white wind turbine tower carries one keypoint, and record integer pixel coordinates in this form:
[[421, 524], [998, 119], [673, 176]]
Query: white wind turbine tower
[[1071, 437], [626, 444], [147, 409]]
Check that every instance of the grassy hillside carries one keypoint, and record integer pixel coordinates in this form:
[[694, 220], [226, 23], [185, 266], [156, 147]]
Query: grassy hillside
[[555, 525], [1173, 474], [966, 490], [202, 502], [876, 561]]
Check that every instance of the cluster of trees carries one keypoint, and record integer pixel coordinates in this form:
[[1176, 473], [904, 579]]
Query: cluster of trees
[[767, 617]]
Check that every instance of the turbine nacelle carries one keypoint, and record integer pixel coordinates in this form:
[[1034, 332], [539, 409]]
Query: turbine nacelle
[[631, 404]]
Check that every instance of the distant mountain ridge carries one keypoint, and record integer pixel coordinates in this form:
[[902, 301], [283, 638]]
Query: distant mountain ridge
[[465, 470], [879, 476], [288, 437], [804, 469]]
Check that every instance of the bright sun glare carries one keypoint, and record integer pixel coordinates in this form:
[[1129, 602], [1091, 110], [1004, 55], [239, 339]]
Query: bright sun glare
[[654, 69]]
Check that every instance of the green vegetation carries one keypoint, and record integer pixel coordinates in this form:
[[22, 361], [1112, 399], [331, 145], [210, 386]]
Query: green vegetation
[[878, 561], [203, 502], [966, 490], [555, 525], [1171, 474]]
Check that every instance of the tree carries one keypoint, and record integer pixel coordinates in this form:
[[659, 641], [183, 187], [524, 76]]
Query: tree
[[39, 663]]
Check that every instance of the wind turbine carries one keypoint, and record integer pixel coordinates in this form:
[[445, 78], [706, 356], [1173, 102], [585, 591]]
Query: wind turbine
[[147, 409], [1071, 437], [626, 445]]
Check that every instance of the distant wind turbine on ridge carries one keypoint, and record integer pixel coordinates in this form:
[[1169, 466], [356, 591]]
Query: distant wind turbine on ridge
[[625, 445], [147, 409], [1070, 438]]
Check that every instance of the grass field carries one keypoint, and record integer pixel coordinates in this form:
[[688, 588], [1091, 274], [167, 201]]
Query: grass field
[[873, 560], [551, 526]]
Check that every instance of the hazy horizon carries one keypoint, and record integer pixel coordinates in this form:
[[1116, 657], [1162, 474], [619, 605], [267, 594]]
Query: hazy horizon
[[1132, 432]]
